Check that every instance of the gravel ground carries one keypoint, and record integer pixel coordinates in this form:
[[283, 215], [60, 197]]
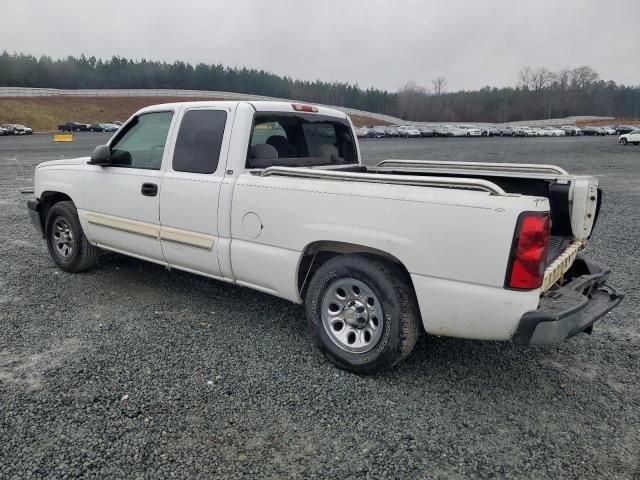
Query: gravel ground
[[130, 371]]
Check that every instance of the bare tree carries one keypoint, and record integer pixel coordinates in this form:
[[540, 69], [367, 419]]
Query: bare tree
[[541, 78], [562, 78], [583, 76], [525, 78], [439, 85]]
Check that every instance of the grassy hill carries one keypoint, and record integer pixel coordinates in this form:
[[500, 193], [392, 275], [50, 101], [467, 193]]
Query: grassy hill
[[44, 114]]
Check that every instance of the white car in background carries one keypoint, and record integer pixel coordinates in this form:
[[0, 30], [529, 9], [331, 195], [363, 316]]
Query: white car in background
[[361, 132], [470, 130], [456, 131], [555, 132], [505, 131], [609, 131], [631, 137], [409, 131]]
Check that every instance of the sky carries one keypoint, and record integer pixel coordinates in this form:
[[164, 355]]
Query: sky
[[373, 43]]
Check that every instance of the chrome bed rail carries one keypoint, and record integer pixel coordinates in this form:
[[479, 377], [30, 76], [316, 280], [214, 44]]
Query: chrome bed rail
[[444, 182], [475, 167]]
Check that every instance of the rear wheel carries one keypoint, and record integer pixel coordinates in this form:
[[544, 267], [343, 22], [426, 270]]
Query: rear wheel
[[361, 313], [68, 246]]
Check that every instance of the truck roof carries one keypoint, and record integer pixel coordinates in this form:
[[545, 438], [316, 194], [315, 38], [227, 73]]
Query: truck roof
[[259, 106]]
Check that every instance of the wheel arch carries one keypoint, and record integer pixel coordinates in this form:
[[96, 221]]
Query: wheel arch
[[319, 252], [49, 198]]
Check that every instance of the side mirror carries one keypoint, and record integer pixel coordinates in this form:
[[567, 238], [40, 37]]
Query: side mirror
[[101, 155]]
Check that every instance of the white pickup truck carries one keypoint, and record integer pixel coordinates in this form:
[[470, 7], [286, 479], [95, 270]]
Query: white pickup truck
[[274, 196]]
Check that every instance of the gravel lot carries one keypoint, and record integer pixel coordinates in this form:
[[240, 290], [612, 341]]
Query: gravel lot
[[130, 371]]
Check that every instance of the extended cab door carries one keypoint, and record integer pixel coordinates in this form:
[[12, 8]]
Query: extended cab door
[[122, 203], [191, 188]]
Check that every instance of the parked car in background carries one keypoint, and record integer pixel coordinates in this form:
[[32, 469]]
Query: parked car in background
[[14, 129], [26, 130], [441, 131], [456, 131], [572, 130], [378, 132], [110, 127], [631, 137], [361, 132], [408, 131], [506, 131], [74, 127], [519, 132], [426, 131], [621, 129], [470, 130], [392, 131], [608, 130], [3, 132], [592, 131], [489, 131], [554, 132]]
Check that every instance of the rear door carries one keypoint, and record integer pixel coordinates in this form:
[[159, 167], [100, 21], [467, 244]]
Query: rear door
[[191, 187]]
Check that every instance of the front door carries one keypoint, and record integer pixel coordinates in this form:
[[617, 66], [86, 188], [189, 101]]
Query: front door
[[191, 187], [122, 199]]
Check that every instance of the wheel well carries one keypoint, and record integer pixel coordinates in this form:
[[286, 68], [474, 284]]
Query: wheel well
[[47, 200], [317, 253]]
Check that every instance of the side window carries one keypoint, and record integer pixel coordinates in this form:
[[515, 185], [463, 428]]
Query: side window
[[141, 144], [199, 141], [318, 136]]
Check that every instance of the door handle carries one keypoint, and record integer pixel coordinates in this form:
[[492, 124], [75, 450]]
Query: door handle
[[149, 189]]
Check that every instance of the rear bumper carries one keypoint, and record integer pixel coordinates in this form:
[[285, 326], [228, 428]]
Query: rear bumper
[[33, 206], [571, 309]]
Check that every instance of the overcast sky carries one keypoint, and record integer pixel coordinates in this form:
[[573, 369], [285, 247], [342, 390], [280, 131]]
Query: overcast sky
[[370, 42]]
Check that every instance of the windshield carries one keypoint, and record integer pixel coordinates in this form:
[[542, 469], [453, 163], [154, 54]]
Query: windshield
[[298, 140]]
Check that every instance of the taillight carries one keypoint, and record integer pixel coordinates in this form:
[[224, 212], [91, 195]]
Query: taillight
[[529, 251], [298, 107]]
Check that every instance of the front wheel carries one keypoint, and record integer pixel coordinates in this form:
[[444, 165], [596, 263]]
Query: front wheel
[[68, 246], [362, 313], [623, 141]]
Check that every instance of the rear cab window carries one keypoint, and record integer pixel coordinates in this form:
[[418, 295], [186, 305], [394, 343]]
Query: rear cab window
[[282, 139]]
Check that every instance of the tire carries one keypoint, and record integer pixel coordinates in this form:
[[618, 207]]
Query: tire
[[372, 301], [623, 141], [63, 229], [635, 143]]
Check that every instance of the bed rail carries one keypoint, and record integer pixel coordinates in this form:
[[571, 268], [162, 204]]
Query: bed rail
[[475, 166], [444, 182]]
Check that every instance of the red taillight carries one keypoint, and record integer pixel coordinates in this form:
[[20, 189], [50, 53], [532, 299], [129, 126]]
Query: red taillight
[[298, 107], [529, 254]]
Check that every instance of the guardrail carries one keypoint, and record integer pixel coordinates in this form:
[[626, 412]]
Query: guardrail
[[164, 92]]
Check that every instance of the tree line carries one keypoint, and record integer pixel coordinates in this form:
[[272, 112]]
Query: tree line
[[539, 93]]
